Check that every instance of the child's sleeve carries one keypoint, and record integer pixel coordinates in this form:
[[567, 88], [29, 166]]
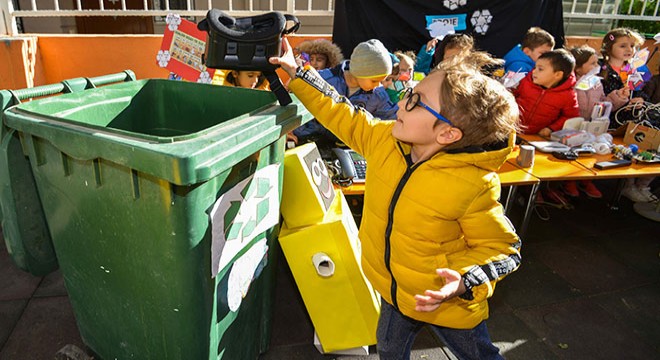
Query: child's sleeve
[[569, 110], [353, 125], [424, 59], [493, 248], [616, 100], [386, 108]]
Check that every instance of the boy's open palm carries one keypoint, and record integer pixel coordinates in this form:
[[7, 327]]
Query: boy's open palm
[[432, 299]]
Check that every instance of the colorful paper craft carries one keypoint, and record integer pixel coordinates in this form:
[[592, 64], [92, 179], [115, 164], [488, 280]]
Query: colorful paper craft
[[182, 49]]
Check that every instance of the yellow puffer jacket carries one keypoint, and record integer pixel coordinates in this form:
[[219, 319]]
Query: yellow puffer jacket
[[442, 213]]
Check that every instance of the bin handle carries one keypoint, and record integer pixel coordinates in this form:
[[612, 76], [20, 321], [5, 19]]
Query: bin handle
[[126, 75], [66, 86]]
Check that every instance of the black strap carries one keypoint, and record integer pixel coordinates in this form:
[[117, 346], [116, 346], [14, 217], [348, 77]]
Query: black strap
[[295, 26], [277, 88]]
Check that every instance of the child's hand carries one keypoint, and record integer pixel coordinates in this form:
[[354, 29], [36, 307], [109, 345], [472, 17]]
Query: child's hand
[[291, 137], [431, 44], [623, 93], [432, 299], [637, 100], [545, 132], [287, 60]]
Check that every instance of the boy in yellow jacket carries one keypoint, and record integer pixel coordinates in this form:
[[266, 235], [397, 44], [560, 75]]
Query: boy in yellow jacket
[[434, 237]]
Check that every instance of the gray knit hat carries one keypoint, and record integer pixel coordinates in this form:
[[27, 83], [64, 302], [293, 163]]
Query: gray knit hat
[[370, 59]]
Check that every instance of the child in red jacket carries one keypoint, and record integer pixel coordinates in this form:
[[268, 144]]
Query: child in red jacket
[[546, 97]]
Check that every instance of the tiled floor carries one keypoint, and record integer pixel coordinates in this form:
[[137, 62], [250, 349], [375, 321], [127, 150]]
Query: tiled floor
[[588, 288]]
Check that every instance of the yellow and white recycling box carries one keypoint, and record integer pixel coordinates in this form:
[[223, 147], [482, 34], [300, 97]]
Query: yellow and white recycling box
[[307, 191], [325, 261]]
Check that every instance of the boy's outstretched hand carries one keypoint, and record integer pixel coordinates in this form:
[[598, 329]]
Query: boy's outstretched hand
[[432, 299], [287, 61]]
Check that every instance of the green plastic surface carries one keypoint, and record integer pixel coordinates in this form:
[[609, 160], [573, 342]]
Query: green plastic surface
[[127, 175], [24, 225]]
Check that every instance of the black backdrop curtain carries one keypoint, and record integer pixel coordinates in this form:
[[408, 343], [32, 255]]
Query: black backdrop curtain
[[496, 25]]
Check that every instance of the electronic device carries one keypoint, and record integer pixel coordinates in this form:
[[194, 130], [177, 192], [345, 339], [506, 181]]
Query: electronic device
[[570, 137], [565, 155], [584, 150], [247, 43], [352, 165], [611, 164], [549, 146]]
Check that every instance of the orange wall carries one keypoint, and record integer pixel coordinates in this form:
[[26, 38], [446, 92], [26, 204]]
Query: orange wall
[[64, 57], [17, 56], [61, 57]]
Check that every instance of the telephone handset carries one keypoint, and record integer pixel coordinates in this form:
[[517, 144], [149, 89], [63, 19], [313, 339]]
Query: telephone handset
[[352, 165]]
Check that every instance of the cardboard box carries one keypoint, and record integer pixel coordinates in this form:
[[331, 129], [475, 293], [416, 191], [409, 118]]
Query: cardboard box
[[644, 137], [307, 190], [325, 261]]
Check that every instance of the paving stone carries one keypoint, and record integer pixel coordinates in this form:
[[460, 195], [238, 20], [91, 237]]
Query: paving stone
[[635, 248], [637, 308], [45, 327], [52, 285], [14, 283], [515, 339], [580, 330], [534, 283], [10, 312], [587, 267]]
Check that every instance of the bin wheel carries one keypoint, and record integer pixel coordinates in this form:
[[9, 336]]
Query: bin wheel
[[72, 352]]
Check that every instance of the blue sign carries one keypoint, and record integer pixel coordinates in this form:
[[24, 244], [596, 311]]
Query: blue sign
[[455, 20]]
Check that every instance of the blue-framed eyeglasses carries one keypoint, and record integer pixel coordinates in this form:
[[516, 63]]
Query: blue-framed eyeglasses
[[414, 99]]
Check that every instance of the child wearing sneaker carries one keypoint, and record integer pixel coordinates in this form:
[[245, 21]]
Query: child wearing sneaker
[[586, 62], [618, 48]]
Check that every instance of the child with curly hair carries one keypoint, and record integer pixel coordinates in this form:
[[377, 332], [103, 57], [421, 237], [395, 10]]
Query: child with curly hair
[[322, 53]]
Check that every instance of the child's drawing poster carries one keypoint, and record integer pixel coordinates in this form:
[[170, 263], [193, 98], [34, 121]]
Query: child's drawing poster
[[182, 49]]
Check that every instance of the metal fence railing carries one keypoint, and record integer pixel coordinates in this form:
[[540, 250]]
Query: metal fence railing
[[13, 11], [603, 13]]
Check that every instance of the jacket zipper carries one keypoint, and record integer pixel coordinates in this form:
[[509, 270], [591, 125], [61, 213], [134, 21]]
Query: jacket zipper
[[410, 167], [536, 104]]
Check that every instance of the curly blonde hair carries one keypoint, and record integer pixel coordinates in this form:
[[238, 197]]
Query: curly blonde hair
[[325, 47], [478, 105]]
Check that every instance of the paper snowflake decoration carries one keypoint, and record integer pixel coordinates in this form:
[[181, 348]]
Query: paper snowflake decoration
[[454, 4], [480, 20], [204, 77], [173, 21], [163, 58]]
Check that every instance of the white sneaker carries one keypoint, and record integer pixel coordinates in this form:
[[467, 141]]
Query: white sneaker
[[636, 194], [646, 192]]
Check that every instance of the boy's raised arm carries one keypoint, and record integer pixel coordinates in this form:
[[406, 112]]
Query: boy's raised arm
[[352, 126]]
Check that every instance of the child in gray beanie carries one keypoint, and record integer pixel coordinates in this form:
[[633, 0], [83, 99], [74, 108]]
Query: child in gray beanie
[[359, 79], [371, 60]]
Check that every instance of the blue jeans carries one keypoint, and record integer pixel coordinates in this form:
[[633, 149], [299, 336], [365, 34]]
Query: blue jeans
[[396, 334]]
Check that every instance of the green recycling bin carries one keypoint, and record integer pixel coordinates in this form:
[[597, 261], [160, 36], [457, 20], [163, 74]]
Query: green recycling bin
[[162, 202]]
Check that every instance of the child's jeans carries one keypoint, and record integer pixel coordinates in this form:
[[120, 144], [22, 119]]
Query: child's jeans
[[396, 334]]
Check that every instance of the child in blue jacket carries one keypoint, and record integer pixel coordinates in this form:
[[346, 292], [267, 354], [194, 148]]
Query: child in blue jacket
[[523, 56], [359, 80]]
